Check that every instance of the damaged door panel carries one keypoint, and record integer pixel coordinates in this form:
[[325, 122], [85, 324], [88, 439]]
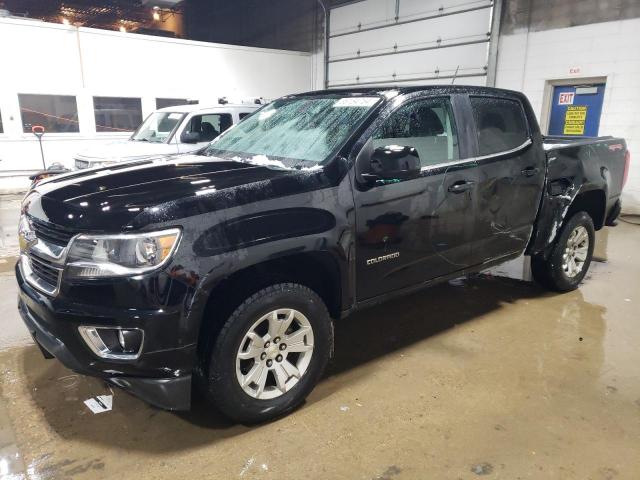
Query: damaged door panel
[[581, 175], [511, 173]]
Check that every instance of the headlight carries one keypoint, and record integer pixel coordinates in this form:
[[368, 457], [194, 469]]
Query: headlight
[[99, 256]]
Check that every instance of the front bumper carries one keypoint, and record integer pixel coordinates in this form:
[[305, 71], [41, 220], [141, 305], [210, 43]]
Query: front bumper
[[161, 377]]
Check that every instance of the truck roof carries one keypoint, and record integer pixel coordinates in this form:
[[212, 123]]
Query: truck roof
[[392, 90]]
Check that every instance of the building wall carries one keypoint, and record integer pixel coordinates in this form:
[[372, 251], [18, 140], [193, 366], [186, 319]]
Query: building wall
[[529, 58], [539, 15], [46, 58]]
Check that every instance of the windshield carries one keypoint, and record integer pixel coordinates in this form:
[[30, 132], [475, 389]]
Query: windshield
[[294, 130], [158, 127]]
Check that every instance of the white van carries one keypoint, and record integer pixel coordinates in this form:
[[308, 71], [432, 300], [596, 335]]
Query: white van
[[168, 131]]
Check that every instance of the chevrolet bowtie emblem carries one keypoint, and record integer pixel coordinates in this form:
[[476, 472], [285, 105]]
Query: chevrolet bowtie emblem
[[26, 234]]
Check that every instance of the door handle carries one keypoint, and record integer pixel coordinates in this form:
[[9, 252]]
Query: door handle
[[530, 171], [461, 186]]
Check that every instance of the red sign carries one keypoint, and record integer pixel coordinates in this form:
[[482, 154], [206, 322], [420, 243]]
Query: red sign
[[566, 98]]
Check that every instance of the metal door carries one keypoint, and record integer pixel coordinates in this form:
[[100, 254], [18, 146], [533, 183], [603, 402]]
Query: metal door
[[576, 109]]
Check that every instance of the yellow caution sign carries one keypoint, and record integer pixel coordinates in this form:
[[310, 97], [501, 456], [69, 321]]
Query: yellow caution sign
[[574, 120]]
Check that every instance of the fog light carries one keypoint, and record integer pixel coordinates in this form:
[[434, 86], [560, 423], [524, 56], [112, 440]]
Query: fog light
[[113, 343], [130, 339]]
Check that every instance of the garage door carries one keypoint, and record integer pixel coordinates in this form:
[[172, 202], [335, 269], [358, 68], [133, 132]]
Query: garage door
[[407, 42]]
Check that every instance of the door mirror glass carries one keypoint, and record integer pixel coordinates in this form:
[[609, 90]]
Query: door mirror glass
[[393, 163], [190, 137]]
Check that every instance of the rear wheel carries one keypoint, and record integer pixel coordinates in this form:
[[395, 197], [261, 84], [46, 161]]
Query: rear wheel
[[270, 353], [568, 262]]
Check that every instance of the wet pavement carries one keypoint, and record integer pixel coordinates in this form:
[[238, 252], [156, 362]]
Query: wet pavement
[[485, 377], [9, 216]]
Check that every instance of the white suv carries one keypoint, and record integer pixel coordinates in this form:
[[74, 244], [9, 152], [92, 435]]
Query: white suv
[[168, 131]]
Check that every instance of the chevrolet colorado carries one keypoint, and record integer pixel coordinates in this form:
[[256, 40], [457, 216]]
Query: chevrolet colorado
[[226, 269]]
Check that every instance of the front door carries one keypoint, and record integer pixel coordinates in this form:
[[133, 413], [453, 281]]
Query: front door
[[208, 126], [410, 231]]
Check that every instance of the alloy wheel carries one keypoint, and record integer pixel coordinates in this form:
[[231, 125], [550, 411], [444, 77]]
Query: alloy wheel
[[274, 354], [575, 252]]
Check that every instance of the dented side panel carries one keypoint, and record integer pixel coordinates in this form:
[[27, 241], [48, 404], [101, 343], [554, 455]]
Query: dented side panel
[[574, 169]]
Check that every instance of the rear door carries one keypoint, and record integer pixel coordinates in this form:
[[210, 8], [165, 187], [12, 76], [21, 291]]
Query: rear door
[[410, 231], [511, 172]]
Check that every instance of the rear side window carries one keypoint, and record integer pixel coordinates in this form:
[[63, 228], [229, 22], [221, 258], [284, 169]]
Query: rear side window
[[500, 124], [172, 102], [115, 114], [244, 114]]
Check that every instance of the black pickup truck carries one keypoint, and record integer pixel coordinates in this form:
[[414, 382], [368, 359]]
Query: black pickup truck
[[226, 269]]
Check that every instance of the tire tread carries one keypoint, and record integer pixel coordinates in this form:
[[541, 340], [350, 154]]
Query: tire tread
[[223, 401]]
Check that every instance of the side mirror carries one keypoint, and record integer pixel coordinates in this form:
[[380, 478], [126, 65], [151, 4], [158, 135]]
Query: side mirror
[[393, 162], [190, 137]]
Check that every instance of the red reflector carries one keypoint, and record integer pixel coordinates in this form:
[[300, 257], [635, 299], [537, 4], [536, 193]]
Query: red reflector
[[627, 161]]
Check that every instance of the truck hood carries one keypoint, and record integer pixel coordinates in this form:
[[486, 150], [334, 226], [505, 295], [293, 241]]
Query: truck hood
[[133, 195], [125, 150]]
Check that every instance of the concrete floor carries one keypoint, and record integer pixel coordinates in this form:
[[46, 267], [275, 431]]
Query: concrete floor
[[483, 377], [9, 216]]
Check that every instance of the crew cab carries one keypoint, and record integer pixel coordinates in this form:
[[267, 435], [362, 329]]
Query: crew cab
[[227, 269], [168, 131]]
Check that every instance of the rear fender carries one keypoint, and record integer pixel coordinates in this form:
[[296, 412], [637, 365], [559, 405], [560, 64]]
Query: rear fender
[[556, 209], [571, 171]]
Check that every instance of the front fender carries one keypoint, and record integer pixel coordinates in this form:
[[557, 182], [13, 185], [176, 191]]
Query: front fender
[[223, 244]]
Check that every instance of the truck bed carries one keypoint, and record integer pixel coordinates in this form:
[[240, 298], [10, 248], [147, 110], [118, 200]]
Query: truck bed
[[558, 141]]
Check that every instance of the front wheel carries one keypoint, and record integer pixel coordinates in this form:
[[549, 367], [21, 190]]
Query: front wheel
[[270, 353], [570, 258]]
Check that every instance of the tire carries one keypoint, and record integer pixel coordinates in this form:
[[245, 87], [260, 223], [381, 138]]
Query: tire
[[554, 273], [266, 396]]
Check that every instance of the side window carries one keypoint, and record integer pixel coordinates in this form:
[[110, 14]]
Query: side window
[[244, 114], [116, 114], [172, 102], [210, 125], [500, 124], [1, 128], [427, 125], [56, 113]]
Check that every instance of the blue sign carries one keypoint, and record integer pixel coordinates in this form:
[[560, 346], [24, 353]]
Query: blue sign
[[576, 110]]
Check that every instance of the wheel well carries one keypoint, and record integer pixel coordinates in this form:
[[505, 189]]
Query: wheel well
[[316, 270], [594, 203]]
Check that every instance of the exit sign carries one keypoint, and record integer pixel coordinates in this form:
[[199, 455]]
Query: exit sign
[[566, 98]]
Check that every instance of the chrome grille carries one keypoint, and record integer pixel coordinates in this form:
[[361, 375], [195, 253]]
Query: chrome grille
[[52, 233], [40, 273], [45, 270]]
